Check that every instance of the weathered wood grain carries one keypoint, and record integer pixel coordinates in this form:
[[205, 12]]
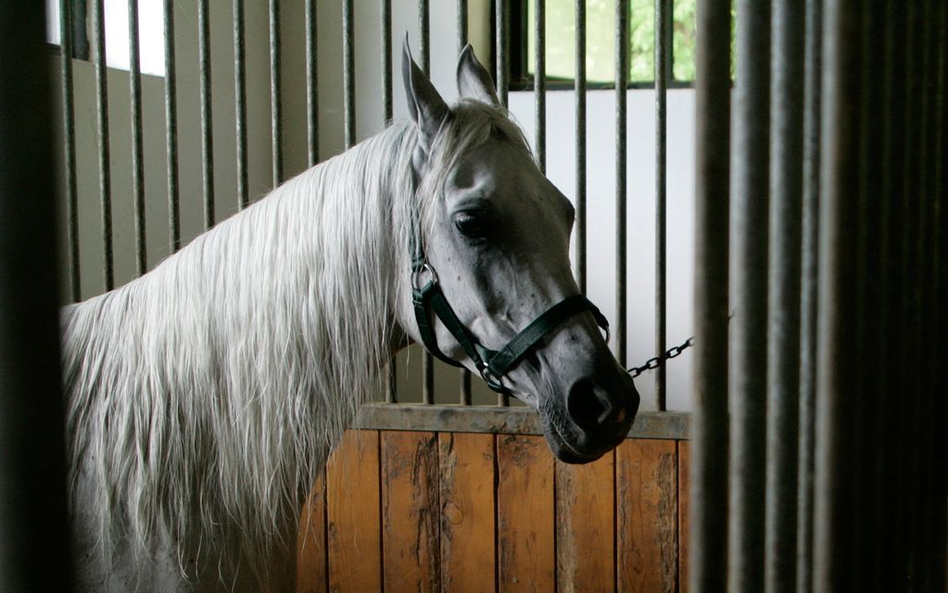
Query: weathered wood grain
[[410, 517], [467, 512], [525, 532], [311, 571], [684, 467], [354, 533], [585, 526], [647, 514]]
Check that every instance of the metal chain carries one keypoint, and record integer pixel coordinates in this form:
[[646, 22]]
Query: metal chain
[[654, 363]]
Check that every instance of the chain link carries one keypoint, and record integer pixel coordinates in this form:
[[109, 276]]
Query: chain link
[[654, 363]]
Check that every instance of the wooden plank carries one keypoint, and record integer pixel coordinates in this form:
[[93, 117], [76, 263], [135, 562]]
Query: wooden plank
[[684, 467], [467, 512], [525, 515], [311, 573], [646, 505], [585, 526], [410, 517], [354, 535]]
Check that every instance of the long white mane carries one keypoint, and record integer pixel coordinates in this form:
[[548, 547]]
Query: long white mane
[[204, 397]]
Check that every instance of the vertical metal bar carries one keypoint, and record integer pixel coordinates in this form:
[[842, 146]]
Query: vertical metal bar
[[348, 72], [622, 79], [386, 19], [385, 7], [580, 98], [870, 420], [171, 129], [808, 290], [427, 363], [894, 162], [833, 563], [102, 127], [663, 26], [539, 81], [465, 387], [207, 136], [709, 453], [748, 364], [34, 534], [69, 147], [783, 379], [939, 352], [240, 103], [276, 103], [424, 29], [312, 86], [462, 24], [501, 40], [138, 164]]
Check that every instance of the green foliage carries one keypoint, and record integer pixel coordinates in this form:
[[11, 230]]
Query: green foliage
[[600, 40]]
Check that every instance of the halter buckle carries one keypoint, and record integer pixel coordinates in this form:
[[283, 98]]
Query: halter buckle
[[419, 272]]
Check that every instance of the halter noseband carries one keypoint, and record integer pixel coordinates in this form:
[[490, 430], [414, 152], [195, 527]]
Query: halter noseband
[[491, 364]]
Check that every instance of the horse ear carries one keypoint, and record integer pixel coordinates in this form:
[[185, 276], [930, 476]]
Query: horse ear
[[428, 110], [473, 80]]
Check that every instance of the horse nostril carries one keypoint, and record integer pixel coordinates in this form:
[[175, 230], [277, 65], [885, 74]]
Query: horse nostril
[[588, 406]]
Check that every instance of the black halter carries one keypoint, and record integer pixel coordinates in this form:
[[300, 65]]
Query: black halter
[[492, 365]]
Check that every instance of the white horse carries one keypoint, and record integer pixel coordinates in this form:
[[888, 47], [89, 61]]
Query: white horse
[[204, 397]]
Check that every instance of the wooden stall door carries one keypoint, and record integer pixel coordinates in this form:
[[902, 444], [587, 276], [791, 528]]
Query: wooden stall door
[[400, 511]]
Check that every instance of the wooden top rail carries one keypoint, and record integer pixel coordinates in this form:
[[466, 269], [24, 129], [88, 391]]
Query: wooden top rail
[[497, 419]]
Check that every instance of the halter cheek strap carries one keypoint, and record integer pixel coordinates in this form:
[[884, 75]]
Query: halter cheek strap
[[492, 365]]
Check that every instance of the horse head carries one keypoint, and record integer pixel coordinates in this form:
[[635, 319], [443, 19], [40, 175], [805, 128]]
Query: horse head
[[491, 287]]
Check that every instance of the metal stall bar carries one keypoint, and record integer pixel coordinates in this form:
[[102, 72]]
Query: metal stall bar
[[748, 363], [580, 100], [171, 129], [465, 388], [427, 360], [808, 290], [501, 40], [939, 352], [622, 79], [69, 147], [836, 366], [912, 197], [207, 136], [391, 376], [102, 131], [894, 169], [461, 9], [276, 103], [348, 72], [663, 28], [34, 538], [539, 81], [138, 159], [870, 424], [312, 88], [783, 335], [240, 103], [501, 45], [709, 450], [924, 512]]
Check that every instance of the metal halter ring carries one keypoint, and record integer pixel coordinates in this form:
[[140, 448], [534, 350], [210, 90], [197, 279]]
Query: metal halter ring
[[417, 275]]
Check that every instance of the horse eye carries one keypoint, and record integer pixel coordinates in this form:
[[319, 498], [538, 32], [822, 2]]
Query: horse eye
[[470, 225]]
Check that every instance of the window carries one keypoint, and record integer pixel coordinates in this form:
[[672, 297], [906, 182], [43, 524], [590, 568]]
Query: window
[[150, 32], [600, 43]]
